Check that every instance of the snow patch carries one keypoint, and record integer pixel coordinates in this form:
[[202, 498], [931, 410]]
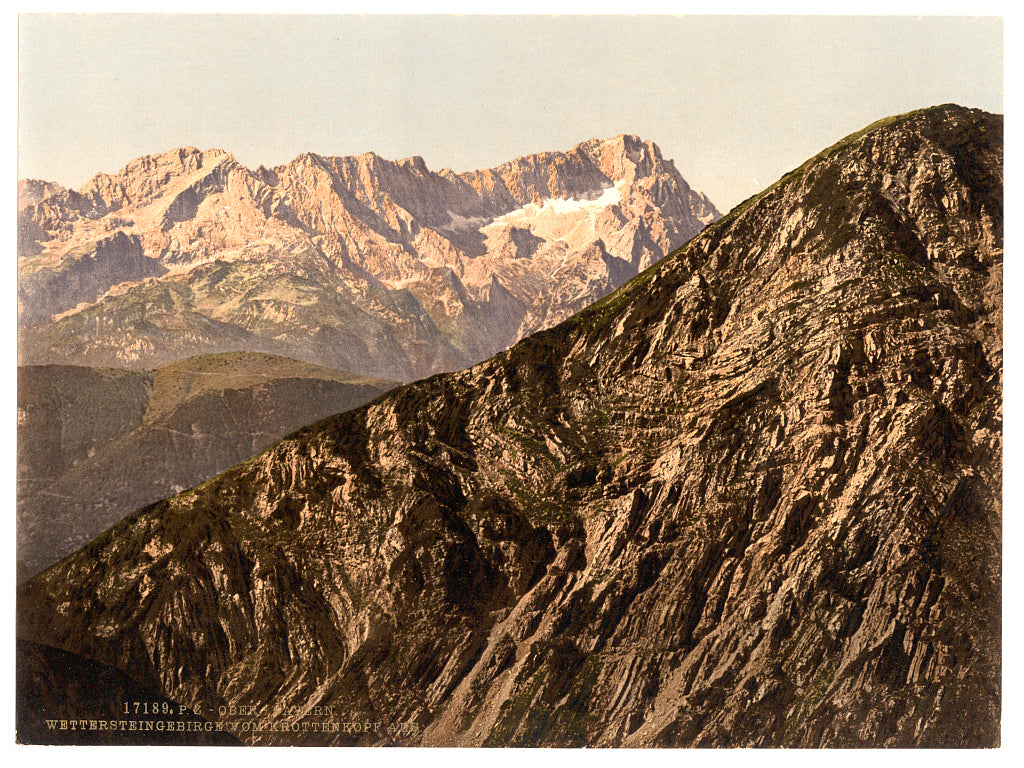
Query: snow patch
[[561, 206], [466, 222]]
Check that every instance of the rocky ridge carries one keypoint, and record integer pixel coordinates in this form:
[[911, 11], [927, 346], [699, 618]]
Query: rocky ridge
[[379, 267], [750, 499], [96, 444]]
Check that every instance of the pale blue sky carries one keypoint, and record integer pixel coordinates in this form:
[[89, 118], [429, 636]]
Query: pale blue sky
[[736, 101]]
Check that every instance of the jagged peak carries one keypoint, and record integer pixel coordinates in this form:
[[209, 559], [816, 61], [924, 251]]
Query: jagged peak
[[623, 157], [349, 163], [29, 184], [34, 191], [415, 162], [180, 155], [307, 159], [175, 161], [625, 140]]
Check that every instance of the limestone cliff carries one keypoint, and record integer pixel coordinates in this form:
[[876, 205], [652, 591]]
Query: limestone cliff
[[359, 263]]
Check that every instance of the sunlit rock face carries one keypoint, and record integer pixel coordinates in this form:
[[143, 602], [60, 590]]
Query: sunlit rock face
[[359, 263]]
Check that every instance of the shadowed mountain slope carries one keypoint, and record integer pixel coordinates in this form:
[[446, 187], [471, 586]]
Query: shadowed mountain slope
[[95, 444], [750, 499], [57, 704]]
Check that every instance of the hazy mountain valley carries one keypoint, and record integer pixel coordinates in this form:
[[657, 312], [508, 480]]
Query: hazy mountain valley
[[95, 444]]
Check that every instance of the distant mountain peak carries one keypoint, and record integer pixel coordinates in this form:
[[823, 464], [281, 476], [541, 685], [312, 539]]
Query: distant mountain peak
[[332, 259]]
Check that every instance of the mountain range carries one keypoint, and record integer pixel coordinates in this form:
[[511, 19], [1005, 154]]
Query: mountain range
[[381, 268], [187, 264], [752, 498]]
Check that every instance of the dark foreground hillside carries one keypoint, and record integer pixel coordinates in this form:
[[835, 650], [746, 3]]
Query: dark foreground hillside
[[750, 499], [57, 704]]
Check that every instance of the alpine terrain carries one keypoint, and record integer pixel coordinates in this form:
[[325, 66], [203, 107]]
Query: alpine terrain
[[752, 498], [96, 444], [362, 264]]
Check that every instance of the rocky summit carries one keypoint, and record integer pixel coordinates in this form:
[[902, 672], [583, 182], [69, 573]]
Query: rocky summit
[[751, 499], [377, 267]]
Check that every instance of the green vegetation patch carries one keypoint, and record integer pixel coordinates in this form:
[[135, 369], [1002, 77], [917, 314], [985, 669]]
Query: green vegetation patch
[[800, 285], [527, 721], [538, 510], [511, 715]]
